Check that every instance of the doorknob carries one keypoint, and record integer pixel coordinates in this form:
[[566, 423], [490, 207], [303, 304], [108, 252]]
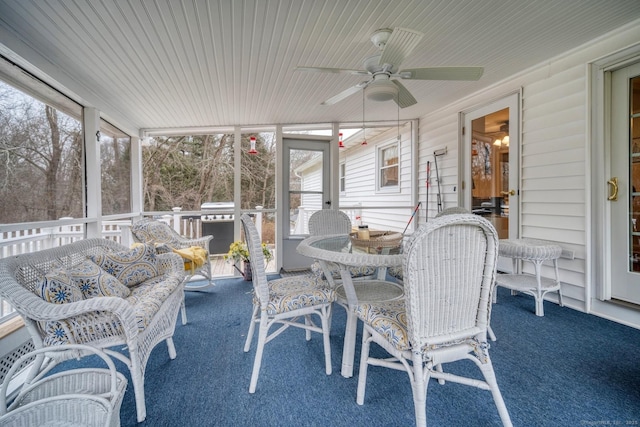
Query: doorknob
[[328, 203], [511, 192], [613, 182]]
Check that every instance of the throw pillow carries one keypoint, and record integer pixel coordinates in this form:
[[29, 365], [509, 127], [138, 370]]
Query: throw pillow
[[129, 267], [93, 281], [58, 288]]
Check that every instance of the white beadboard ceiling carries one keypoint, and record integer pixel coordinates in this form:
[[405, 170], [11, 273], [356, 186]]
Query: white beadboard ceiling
[[149, 64]]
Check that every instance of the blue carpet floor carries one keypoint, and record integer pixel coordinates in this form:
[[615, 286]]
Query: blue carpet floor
[[564, 369]]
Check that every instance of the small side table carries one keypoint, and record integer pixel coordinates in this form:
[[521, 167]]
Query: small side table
[[537, 252]]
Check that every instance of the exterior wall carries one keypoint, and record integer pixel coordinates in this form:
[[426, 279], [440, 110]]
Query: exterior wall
[[554, 153], [390, 210]]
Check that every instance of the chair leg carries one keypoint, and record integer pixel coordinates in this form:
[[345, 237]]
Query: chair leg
[[172, 348], [325, 318], [262, 340], [364, 356], [252, 328], [183, 311], [138, 385], [419, 385], [308, 323], [490, 378]]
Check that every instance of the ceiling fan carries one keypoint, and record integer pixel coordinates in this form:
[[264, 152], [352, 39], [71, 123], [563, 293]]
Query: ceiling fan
[[383, 69]]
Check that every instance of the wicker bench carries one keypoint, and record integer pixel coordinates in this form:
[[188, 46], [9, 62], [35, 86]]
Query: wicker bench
[[140, 321]]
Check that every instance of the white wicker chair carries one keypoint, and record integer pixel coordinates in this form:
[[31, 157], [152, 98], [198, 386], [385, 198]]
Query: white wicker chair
[[452, 258], [166, 238], [83, 397], [283, 302], [330, 221], [100, 322]]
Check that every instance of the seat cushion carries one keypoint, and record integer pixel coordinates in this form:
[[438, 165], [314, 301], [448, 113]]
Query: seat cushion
[[389, 319], [148, 297], [355, 272], [93, 281], [130, 267], [296, 292]]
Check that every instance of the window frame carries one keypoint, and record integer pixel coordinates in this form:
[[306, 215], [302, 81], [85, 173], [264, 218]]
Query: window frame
[[380, 149]]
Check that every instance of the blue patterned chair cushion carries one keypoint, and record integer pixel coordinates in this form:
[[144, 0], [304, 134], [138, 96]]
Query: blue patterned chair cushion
[[57, 287], [292, 293], [396, 272], [335, 271], [149, 296], [56, 332], [130, 267], [389, 319], [93, 281]]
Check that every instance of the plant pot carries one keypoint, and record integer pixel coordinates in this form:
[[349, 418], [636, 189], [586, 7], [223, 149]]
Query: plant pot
[[246, 270]]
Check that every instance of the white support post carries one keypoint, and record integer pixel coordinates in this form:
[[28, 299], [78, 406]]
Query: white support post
[[92, 167], [177, 219]]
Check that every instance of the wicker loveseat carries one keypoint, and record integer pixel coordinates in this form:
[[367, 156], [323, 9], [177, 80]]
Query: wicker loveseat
[[140, 320]]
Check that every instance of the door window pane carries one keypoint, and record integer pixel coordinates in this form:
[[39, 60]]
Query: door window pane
[[490, 169]]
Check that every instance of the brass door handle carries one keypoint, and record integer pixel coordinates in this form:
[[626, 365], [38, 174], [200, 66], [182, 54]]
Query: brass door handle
[[613, 182], [508, 193]]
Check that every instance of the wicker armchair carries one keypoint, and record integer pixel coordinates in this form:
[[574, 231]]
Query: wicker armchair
[[452, 258], [331, 221], [166, 239], [83, 397], [139, 322], [283, 302]]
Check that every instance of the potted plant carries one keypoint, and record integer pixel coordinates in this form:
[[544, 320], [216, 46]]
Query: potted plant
[[239, 254]]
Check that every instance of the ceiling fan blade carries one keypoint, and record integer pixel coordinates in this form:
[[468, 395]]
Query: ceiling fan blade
[[400, 44], [332, 70], [405, 99], [442, 73], [346, 93]]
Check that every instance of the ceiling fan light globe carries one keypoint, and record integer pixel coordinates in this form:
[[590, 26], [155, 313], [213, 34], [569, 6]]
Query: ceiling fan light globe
[[382, 91]]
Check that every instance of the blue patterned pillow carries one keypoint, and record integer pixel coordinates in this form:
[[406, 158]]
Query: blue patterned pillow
[[93, 281], [130, 267], [58, 288]]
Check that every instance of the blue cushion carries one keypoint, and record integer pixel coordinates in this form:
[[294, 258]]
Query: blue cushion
[[93, 281], [130, 267]]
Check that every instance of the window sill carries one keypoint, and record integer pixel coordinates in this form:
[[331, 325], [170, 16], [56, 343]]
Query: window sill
[[9, 326]]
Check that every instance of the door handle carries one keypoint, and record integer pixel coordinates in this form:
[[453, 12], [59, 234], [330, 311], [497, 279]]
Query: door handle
[[328, 203], [613, 182], [511, 192]]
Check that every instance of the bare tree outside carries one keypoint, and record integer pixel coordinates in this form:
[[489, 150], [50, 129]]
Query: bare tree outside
[[40, 158]]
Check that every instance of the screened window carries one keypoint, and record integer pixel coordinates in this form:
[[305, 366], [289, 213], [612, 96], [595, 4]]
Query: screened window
[[115, 161], [41, 152], [343, 169], [388, 166]]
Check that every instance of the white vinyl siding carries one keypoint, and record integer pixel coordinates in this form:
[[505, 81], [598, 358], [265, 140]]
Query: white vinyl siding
[[554, 153]]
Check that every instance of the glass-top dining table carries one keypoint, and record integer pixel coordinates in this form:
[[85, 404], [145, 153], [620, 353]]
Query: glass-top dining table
[[345, 252]]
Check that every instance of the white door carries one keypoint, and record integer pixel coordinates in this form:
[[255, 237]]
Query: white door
[[490, 152], [306, 189], [490, 185], [624, 185]]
